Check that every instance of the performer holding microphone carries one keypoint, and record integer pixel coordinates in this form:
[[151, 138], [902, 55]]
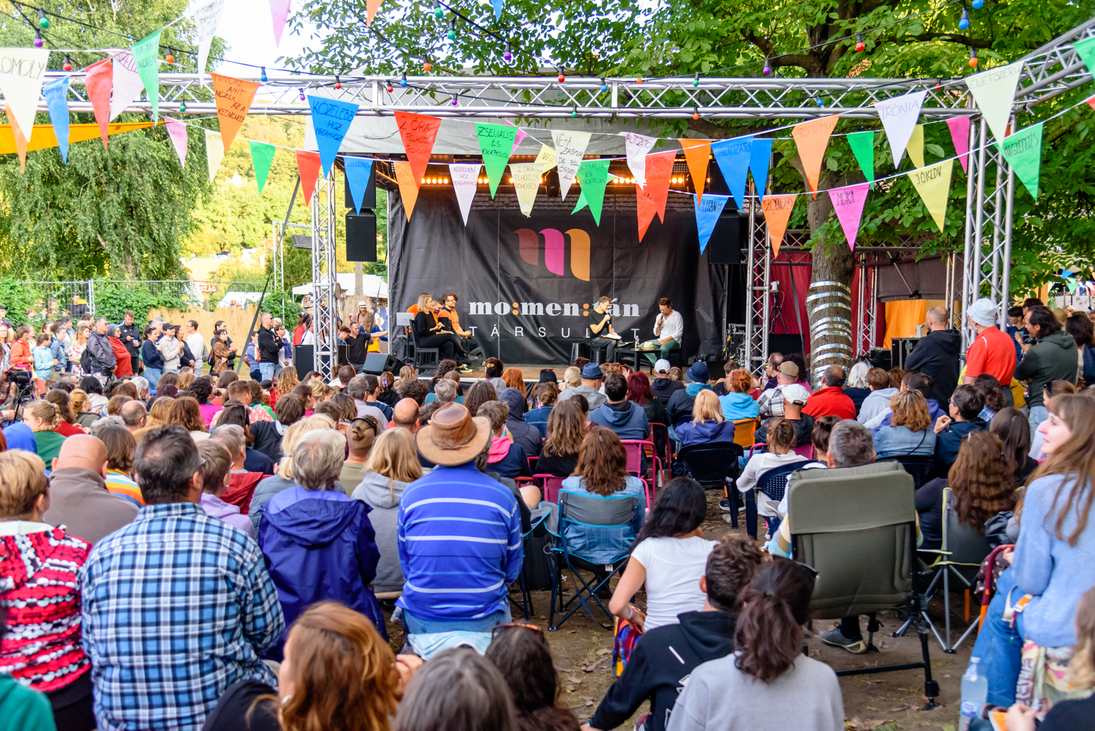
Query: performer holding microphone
[[668, 332], [600, 324]]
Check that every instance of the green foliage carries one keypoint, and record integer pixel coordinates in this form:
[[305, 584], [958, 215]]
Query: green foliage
[[112, 299], [284, 305]]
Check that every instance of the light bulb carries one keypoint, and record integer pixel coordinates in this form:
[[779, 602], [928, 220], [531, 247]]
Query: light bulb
[[696, 81], [973, 58], [338, 83], [403, 80], [977, 4], [182, 106], [389, 87], [859, 45], [262, 76], [454, 101], [964, 21], [37, 39], [43, 21], [562, 77], [427, 67], [767, 70], [302, 97], [574, 113], [68, 63], [508, 55], [437, 11], [170, 57]]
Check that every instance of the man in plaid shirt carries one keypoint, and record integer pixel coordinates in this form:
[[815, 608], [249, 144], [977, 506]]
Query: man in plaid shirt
[[771, 401], [177, 606]]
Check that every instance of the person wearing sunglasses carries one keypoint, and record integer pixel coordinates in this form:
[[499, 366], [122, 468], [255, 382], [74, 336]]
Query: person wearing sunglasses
[[361, 432]]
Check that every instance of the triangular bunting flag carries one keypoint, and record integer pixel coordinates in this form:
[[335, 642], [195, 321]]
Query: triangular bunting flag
[[593, 177], [44, 136], [214, 152], [707, 215], [496, 144], [760, 156], [418, 133], [465, 181], [56, 94], [862, 144], [582, 202], [777, 212], [521, 134], [570, 147], [98, 82], [371, 6], [1085, 49], [933, 183], [408, 186], [331, 120], [279, 13], [733, 157], [960, 138], [994, 92], [697, 153], [848, 203], [127, 83], [812, 138], [22, 72], [1023, 151], [898, 116], [180, 139], [206, 19], [1091, 102], [497, 8], [262, 157], [526, 181], [650, 201], [637, 146], [359, 173], [146, 59], [308, 169], [546, 159], [20, 138], [234, 97], [915, 147]]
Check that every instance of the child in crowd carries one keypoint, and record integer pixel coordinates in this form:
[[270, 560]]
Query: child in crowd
[[43, 361]]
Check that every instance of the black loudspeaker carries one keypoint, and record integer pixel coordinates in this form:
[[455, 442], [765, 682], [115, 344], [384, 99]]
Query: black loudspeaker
[[304, 358], [901, 349], [879, 358], [369, 199], [361, 236], [784, 343], [377, 363], [725, 244]]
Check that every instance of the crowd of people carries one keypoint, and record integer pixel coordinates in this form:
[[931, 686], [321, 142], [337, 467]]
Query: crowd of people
[[206, 552]]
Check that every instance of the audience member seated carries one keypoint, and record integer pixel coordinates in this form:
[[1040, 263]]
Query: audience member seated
[[667, 558], [284, 479], [391, 468], [771, 402], [147, 632], [1013, 428], [236, 412], [522, 654], [79, 499], [243, 483], [780, 438], [794, 691], [361, 434], [640, 394], [566, 430], [216, 463], [590, 388], [444, 391], [22, 708], [458, 684], [879, 398], [120, 448], [708, 424], [359, 390], [1050, 392], [794, 397], [202, 388], [546, 394], [66, 426], [1054, 557], [459, 536], [405, 414], [43, 418], [507, 457], [738, 404], [522, 433], [857, 387], [479, 394], [268, 434], [965, 406], [909, 432], [186, 413], [989, 388], [39, 564], [681, 402], [660, 665], [830, 400], [911, 381], [318, 543], [982, 484], [663, 387], [619, 415]]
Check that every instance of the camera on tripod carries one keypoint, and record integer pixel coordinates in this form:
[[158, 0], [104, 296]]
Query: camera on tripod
[[23, 383]]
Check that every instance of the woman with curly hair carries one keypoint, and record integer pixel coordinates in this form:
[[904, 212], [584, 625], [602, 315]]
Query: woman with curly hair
[[186, 412], [286, 381]]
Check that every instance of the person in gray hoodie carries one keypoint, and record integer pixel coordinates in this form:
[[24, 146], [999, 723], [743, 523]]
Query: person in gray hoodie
[[1052, 357], [523, 433], [626, 419], [391, 467]]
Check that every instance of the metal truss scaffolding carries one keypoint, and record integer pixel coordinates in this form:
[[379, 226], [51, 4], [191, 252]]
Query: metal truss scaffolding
[[324, 279]]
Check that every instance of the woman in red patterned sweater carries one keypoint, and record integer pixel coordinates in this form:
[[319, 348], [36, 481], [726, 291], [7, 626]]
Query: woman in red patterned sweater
[[39, 593]]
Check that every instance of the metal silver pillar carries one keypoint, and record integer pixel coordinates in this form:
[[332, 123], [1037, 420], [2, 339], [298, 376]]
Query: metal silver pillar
[[758, 290], [324, 277]]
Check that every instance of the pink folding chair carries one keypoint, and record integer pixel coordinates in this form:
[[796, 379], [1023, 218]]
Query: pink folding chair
[[549, 486], [636, 448]]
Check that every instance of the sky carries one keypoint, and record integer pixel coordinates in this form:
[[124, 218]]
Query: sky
[[247, 29]]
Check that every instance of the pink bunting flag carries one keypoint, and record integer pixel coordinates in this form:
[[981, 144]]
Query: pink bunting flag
[[960, 136], [517, 140], [176, 130], [279, 11], [848, 202]]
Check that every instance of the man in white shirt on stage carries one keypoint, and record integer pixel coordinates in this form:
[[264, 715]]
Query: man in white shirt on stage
[[668, 332]]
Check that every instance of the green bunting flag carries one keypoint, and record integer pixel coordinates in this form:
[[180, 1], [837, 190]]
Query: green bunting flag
[[262, 156], [496, 144], [593, 177], [862, 144], [146, 56], [1086, 51], [1023, 151]]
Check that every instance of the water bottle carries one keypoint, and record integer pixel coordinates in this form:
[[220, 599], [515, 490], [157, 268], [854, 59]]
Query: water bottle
[[975, 692]]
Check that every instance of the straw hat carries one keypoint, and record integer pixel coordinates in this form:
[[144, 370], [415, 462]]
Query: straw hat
[[453, 437]]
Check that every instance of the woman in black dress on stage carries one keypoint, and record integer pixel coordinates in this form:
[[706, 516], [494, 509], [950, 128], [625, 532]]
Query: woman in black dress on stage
[[429, 333]]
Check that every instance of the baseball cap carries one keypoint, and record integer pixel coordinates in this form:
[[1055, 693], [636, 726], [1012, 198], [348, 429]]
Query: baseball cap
[[795, 393], [662, 366], [788, 368], [983, 312]]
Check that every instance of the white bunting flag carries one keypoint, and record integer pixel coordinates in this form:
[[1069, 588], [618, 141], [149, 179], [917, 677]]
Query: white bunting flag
[[547, 158], [526, 182], [637, 147], [22, 72], [176, 130], [206, 19], [214, 152], [570, 146], [465, 181], [898, 116], [994, 92], [127, 83]]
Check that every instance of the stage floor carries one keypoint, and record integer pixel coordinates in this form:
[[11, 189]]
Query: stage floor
[[531, 372]]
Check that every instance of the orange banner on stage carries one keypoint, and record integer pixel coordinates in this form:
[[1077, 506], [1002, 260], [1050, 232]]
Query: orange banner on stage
[[43, 138]]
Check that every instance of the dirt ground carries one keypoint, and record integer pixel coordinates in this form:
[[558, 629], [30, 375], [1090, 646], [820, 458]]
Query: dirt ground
[[879, 702]]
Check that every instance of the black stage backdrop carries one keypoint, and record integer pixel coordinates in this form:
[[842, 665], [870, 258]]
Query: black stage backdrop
[[522, 281]]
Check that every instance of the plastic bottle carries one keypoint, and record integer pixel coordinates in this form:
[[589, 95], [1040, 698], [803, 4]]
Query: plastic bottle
[[975, 692]]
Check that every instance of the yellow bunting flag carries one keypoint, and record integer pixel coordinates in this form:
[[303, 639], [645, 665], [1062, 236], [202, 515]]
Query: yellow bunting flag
[[234, 97], [408, 190], [43, 136], [933, 183], [526, 182], [812, 138], [20, 138], [214, 152], [697, 153], [777, 212], [547, 158], [915, 148]]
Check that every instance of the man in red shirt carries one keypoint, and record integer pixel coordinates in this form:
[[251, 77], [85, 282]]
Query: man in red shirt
[[831, 400], [992, 351]]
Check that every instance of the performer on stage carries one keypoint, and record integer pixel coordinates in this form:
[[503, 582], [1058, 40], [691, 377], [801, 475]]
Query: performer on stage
[[450, 319], [668, 332], [429, 333], [600, 324]]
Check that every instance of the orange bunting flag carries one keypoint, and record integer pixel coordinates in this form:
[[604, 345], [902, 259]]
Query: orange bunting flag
[[651, 200], [408, 185], [697, 153], [98, 82], [371, 6], [812, 138], [308, 169], [1091, 102], [20, 138], [418, 132], [777, 212], [234, 97]]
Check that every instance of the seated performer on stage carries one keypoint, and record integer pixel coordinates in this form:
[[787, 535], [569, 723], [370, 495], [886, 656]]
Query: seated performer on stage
[[450, 319], [429, 333], [600, 325], [668, 332]]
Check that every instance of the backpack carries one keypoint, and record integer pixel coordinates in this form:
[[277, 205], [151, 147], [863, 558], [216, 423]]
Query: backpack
[[85, 360]]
